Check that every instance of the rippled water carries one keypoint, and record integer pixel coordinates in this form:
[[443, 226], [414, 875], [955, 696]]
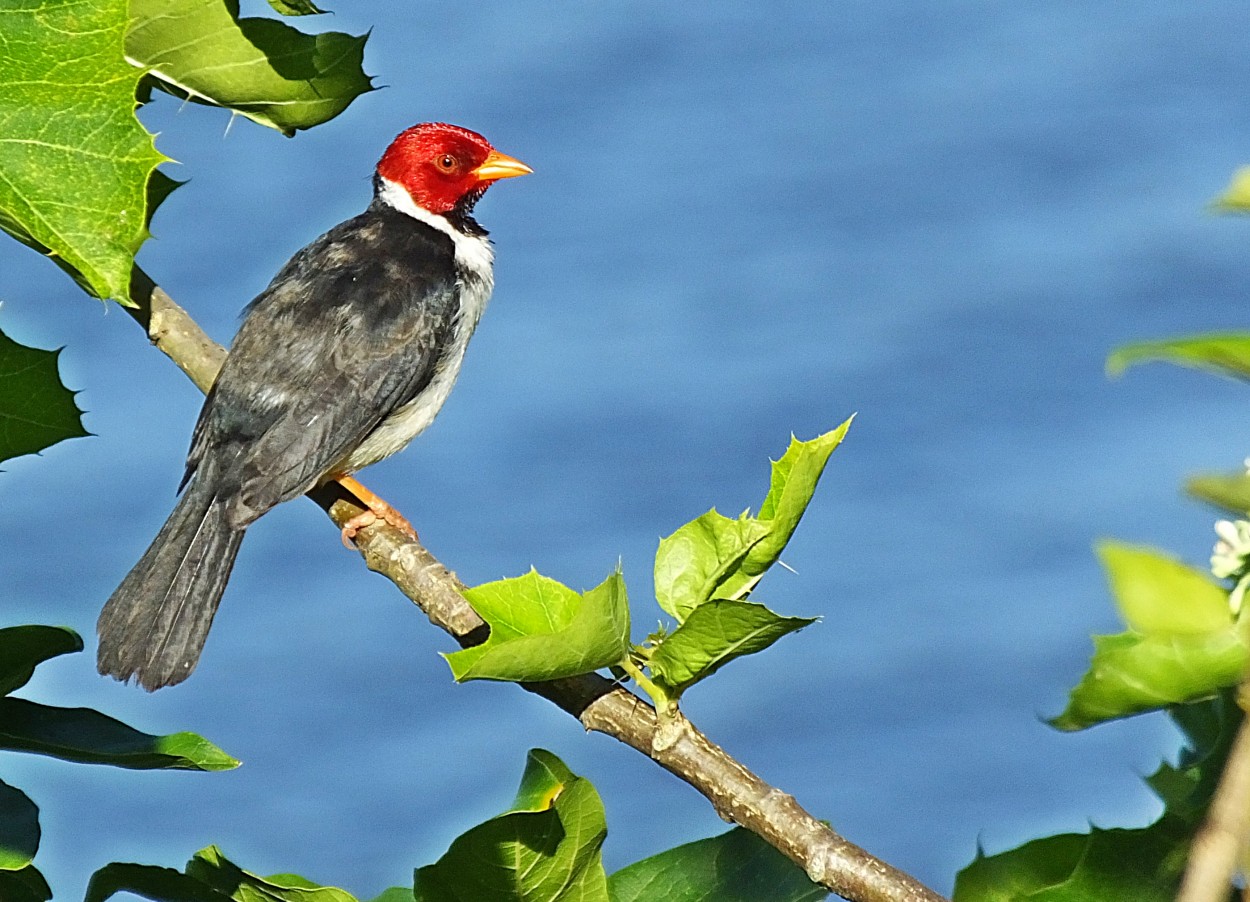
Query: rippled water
[[745, 221]]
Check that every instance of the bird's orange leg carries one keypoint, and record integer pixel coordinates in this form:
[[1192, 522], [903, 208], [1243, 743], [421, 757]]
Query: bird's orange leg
[[377, 510]]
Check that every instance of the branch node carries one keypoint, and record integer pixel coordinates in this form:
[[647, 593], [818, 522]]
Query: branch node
[[669, 731], [817, 869]]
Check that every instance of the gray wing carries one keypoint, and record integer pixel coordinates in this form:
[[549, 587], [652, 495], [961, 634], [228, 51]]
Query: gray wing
[[343, 337]]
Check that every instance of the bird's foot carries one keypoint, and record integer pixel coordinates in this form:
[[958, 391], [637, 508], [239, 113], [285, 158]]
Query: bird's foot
[[377, 509]]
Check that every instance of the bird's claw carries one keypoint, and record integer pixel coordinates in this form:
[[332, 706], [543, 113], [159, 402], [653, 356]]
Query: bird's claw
[[382, 511]]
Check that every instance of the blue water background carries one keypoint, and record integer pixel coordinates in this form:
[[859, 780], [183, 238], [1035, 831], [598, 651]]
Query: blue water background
[[747, 219]]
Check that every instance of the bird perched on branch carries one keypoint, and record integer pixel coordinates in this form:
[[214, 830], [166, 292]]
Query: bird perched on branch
[[341, 361]]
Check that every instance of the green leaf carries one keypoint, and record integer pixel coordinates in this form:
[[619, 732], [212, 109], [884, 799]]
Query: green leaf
[[160, 186], [736, 866], [23, 648], [19, 829], [261, 68], [212, 868], [693, 562], [794, 477], [713, 635], [151, 882], [1209, 727], [396, 894], [1100, 866], [1131, 673], [87, 736], [211, 877], [1225, 353], [1157, 594], [543, 630], [74, 162], [1229, 491], [1183, 644], [296, 7], [1236, 197], [26, 885], [1121, 864], [790, 490], [36, 410], [714, 556], [544, 778], [550, 853]]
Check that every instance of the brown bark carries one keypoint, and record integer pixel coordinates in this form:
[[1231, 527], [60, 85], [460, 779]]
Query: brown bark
[[738, 795]]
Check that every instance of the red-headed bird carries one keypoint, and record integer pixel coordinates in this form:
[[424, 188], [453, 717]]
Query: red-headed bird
[[341, 361]]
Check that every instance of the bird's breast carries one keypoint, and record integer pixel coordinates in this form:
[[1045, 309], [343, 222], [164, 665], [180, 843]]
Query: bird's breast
[[409, 420]]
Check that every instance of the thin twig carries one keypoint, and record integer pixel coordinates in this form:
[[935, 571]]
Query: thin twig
[[1220, 845], [737, 794]]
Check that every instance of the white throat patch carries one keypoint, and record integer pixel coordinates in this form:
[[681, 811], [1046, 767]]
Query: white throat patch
[[474, 255], [474, 263]]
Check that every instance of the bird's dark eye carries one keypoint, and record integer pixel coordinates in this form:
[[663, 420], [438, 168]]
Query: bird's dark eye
[[447, 162]]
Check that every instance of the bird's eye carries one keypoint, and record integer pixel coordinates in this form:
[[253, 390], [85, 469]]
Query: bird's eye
[[447, 162]]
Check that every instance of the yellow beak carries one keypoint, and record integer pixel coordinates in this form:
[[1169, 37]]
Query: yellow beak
[[500, 166]]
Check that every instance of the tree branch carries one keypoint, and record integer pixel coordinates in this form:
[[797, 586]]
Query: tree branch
[[601, 705], [1219, 846]]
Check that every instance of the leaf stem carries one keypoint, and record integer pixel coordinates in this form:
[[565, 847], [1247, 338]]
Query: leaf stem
[[664, 701]]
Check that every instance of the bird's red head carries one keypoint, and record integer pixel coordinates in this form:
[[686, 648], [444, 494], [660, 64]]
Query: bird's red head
[[439, 165]]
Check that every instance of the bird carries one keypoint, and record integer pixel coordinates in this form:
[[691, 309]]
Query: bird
[[346, 356]]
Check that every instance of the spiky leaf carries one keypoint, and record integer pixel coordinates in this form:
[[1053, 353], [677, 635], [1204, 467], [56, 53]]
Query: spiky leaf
[[1209, 728], [718, 557], [713, 635], [790, 490], [545, 848], [74, 162], [1182, 644], [1100, 866], [541, 629], [36, 409], [261, 68]]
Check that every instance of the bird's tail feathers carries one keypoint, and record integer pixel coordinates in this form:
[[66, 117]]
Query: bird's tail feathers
[[154, 625]]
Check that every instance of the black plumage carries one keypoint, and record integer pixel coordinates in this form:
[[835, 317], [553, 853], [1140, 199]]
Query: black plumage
[[369, 305], [348, 355]]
